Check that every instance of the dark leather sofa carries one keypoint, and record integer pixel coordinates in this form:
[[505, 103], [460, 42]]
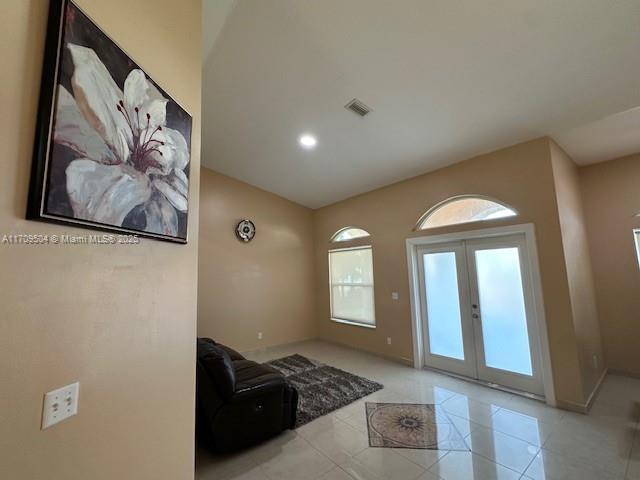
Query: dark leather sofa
[[239, 402]]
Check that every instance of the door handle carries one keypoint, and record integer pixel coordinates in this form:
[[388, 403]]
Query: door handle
[[475, 305], [475, 316]]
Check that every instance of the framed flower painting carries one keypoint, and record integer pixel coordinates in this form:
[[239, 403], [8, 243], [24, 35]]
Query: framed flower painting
[[112, 148]]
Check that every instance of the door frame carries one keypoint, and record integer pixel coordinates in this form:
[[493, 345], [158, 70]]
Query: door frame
[[417, 316]]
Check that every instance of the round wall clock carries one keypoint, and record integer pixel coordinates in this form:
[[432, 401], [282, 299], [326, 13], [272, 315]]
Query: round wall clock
[[246, 230]]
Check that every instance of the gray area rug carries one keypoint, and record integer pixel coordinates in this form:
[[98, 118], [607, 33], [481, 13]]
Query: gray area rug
[[321, 388]]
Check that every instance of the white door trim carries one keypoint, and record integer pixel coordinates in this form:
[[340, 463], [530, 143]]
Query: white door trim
[[528, 230]]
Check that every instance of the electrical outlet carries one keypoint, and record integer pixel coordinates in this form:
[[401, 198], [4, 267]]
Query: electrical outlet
[[259, 335], [394, 296], [60, 404], [388, 340]]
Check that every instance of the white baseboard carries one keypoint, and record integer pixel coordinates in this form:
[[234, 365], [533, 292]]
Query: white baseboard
[[276, 346], [584, 407], [404, 361]]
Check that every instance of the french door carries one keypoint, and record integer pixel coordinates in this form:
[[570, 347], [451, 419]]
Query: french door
[[477, 305]]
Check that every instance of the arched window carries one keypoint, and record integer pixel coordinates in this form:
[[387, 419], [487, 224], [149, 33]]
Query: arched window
[[349, 233], [351, 295], [464, 209]]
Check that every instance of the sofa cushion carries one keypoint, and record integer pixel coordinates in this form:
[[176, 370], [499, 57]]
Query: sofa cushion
[[219, 366], [247, 369], [240, 365]]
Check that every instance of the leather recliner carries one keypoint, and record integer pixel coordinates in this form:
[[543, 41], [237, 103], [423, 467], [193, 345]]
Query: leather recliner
[[239, 402]]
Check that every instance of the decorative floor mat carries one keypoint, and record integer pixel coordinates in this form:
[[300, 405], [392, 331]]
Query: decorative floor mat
[[405, 425]]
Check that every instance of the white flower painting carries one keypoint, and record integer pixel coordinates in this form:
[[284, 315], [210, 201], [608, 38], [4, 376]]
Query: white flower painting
[[120, 146]]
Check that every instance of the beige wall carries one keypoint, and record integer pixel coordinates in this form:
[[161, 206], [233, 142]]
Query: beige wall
[[266, 285], [611, 192], [579, 270], [119, 319], [521, 176]]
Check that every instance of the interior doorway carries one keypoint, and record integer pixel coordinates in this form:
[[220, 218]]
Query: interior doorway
[[477, 310]]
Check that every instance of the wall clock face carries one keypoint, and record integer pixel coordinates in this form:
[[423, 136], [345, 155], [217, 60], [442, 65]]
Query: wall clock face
[[246, 230]]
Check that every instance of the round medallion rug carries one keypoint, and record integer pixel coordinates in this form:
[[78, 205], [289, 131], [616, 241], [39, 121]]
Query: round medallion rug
[[403, 425]]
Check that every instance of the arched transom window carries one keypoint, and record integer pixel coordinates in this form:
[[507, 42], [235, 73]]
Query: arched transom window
[[349, 233], [464, 209]]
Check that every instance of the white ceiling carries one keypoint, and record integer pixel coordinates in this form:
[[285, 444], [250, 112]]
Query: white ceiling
[[446, 79], [214, 17], [611, 137]]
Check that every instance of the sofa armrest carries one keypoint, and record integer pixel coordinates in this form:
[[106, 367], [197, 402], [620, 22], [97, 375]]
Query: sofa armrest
[[259, 385]]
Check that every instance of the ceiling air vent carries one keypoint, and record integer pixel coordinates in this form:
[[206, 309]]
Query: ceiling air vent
[[357, 107]]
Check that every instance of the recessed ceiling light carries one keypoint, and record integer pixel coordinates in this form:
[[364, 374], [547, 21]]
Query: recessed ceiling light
[[308, 141]]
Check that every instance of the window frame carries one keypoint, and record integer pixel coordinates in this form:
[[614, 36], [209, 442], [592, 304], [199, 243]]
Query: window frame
[[347, 321], [334, 237], [425, 216]]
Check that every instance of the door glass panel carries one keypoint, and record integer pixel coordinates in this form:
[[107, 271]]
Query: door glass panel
[[443, 305], [502, 310]]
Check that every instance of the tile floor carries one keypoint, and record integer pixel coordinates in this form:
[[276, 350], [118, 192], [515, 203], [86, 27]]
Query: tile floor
[[509, 437]]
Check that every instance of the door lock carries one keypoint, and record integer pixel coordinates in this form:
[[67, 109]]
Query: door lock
[[475, 316]]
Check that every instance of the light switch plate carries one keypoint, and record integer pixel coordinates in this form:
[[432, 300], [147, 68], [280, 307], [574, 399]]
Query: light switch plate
[[60, 404]]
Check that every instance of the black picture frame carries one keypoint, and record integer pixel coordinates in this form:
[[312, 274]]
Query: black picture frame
[[50, 174]]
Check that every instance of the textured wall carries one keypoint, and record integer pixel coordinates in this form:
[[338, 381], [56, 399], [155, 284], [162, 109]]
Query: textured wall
[[266, 285], [611, 193], [521, 176], [579, 271], [119, 319]]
